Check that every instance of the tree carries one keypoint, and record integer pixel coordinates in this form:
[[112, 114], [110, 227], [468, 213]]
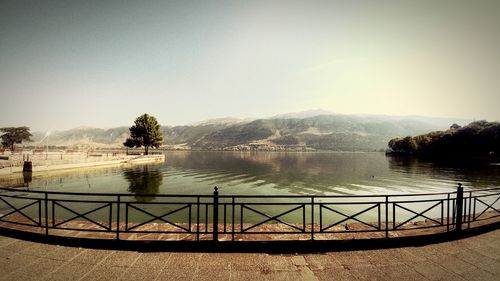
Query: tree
[[146, 132], [403, 145], [394, 145], [409, 144], [13, 135]]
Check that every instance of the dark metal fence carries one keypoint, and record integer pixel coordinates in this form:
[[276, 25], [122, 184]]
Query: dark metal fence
[[245, 217]]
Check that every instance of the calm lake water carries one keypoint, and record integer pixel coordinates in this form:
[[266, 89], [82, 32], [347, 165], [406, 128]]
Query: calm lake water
[[261, 173]]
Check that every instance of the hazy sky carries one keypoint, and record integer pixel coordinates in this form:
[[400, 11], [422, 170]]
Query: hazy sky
[[65, 64]]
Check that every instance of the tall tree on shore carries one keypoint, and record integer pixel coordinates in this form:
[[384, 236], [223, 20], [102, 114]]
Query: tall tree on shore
[[13, 135], [146, 132]]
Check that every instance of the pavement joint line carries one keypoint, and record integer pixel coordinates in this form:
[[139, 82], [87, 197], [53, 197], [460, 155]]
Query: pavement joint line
[[487, 270], [477, 268], [197, 267], [481, 253], [444, 268], [409, 264], [63, 264], [163, 267], [11, 242], [96, 265], [307, 270], [136, 259], [131, 266], [418, 273], [21, 268], [20, 254], [124, 271]]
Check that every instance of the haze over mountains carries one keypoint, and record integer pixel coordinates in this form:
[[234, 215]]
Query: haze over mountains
[[316, 129]]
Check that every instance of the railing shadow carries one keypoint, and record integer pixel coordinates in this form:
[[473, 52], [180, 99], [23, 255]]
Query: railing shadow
[[271, 247]]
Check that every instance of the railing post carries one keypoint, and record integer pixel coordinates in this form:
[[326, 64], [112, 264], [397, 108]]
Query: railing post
[[312, 218], [460, 202], [387, 216], [47, 213], [470, 205], [118, 199], [216, 215], [448, 213]]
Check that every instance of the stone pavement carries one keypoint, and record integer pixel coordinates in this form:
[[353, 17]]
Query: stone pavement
[[473, 258]]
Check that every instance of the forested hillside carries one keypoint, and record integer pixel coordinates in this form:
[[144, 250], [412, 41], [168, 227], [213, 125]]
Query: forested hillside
[[323, 132], [480, 138]]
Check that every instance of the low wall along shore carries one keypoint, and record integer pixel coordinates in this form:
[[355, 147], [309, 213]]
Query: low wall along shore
[[42, 162]]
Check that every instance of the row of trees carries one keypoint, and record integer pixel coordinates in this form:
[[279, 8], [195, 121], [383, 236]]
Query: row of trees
[[480, 138], [145, 133]]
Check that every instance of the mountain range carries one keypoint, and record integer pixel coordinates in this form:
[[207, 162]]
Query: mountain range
[[309, 130]]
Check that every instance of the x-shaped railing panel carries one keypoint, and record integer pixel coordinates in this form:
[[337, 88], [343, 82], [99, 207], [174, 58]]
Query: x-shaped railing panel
[[421, 214], [155, 217], [271, 218], [80, 215], [488, 206], [19, 211], [348, 217]]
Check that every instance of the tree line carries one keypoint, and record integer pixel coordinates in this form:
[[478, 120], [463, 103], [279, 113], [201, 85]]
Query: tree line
[[479, 138]]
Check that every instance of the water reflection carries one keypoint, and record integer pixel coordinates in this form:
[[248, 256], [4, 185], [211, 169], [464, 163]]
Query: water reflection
[[263, 173], [473, 173], [27, 178], [143, 181], [297, 173], [326, 173]]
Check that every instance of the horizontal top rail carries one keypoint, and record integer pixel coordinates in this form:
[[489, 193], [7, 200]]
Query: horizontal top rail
[[480, 190], [243, 195], [102, 193], [338, 196], [482, 195]]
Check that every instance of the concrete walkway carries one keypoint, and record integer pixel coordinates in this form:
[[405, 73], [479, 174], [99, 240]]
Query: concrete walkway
[[475, 258]]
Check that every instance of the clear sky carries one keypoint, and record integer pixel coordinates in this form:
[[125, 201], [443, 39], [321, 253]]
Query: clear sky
[[65, 64]]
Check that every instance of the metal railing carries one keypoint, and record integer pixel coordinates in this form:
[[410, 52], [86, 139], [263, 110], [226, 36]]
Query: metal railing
[[245, 217]]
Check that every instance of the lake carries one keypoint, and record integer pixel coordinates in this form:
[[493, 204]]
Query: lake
[[265, 173], [262, 173]]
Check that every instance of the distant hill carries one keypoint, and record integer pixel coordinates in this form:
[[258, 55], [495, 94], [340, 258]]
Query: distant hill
[[219, 121], [320, 132], [303, 114], [83, 136]]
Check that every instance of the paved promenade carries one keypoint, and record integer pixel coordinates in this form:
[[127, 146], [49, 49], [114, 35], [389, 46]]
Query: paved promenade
[[474, 258]]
